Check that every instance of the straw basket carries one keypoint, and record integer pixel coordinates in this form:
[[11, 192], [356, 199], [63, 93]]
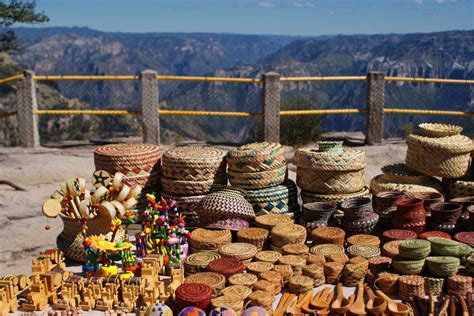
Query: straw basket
[[446, 157], [401, 173], [443, 266], [272, 200], [255, 157], [309, 197], [345, 160], [460, 188], [381, 183], [70, 240], [194, 163], [139, 163], [330, 181], [439, 130], [187, 188], [259, 180]]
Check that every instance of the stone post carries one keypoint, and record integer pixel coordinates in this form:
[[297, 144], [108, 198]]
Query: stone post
[[271, 106], [27, 106], [375, 105], [150, 107]]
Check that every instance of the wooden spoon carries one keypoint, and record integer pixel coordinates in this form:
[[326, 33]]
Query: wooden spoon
[[285, 300], [358, 308], [431, 311], [295, 306], [376, 305], [322, 299], [452, 306], [465, 310], [341, 304], [395, 308]]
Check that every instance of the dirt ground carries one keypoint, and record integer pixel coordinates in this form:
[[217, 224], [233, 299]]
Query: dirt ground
[[39, 171]]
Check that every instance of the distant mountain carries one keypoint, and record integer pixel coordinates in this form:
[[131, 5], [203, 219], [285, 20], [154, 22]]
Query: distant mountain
[[86, 51]]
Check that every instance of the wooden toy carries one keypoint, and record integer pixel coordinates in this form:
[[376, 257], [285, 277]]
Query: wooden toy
[[70, 293], [42, 290]]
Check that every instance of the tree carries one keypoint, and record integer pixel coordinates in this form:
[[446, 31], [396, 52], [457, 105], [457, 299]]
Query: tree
[[299, 130], [13, 12]]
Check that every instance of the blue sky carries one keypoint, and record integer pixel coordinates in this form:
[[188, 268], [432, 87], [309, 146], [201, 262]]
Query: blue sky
[[289, 17]]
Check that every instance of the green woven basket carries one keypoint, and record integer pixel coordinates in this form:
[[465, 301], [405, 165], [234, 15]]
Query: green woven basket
[[414, 249], [444, 247], [403, 266], [443, 266]]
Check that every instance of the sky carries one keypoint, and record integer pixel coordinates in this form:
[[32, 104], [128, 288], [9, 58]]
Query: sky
[[282, 17]]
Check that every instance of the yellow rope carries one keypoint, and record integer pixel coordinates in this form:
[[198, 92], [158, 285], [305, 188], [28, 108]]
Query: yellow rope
[[87, 112], [12, 78], [209, 79], [208, 113], [430, 80], [323, 111], [323, 78], [7, 114], [428, 112], [86, 78]]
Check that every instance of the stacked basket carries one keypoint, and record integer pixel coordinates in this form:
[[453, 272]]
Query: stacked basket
[[261, 169], [189, 173], [330, 173]]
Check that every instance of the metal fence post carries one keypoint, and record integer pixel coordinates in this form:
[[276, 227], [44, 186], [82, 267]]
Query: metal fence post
[[150, 107], [271, 98], [27, 105], [375, 105]]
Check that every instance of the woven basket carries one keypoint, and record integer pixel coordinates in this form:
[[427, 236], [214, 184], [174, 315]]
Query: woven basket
[[214, 280], [439, 130], [316, 272], [242, 251], [364, 251], [326, 249], [300, 284], [225, 208], [275, 200], [363, 239], [317, 214], [269, 221], [204, 239], [194, 163], [328, 235], [443, 266], [258, 267], [135, 161], [255, 157], [415, 249], [335, 257], [446, 157], [186, 188], [240, 291], [288, 234], [267, 286], [70, 240], [297, 263], [271, 276], [459, 285], [236, 304], [332, 271], [256, 236], [434, 286], [444, 247], [346, 160], [460, 188], [197, 262], [330, 181], [285, 270], [354, 273], [262, 299], [410, 286], [380, 184], [246, 279], [403, 266], [268, 256], [259, 180], [383, 204], [401, 173], [391, 248], [309, 197], [295, 249]]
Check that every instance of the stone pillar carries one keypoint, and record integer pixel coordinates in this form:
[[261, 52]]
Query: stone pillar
[[271, 106], [375, 105], [150, 106], [27, 106]]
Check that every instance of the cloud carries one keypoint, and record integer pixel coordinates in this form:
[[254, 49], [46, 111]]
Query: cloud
[[267, 4], [301, 5], [445, 1]]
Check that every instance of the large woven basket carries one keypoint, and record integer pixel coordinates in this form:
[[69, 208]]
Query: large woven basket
[[446, 157], [70, 240], [401, 173], [345, 160], [139, 163], [186, 188], [380, 184], [439, 130], [255, 157], [194, 163], [259, 180], [459, 188], [272, 200], [330, 181], [309, 197]]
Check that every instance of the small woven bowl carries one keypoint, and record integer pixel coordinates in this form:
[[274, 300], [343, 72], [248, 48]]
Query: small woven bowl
[[391, 248], [439, 130], [442, 266], [444, 247], [408, 266], [414, 249]]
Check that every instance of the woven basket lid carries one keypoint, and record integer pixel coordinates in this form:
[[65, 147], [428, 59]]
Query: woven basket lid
[[269, 221], [268, 256], [295, 249], [253, 233], [434, 233], [211, 238], [240, 250], [465, 237], [347, 159], [293, 260], [211, 279], [326, 249], [130, 150], [439, 130], [193, 292], [226, 266], [391, 248], [226, 301], [254, 151], [259, 266], [201, 258], [288, 231], [363, 251], [193, 155], [399, 234], [247, 279], [240, 291], [364, 239]]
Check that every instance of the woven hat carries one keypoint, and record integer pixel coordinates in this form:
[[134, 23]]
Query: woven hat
[[137, 162], [225, 208], [194, 163]]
